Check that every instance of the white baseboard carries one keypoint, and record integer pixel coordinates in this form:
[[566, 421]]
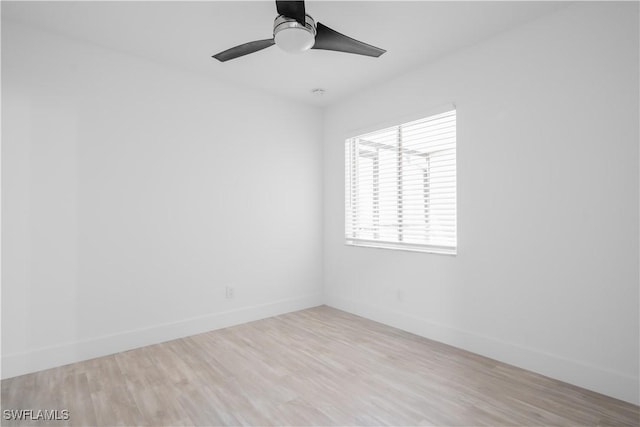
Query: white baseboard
[[610, 383], [50, 357]]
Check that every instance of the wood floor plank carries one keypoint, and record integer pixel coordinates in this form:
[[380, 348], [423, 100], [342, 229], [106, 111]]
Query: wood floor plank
[[319, 366]]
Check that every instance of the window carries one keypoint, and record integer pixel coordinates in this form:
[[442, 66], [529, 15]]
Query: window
[[400, 186]]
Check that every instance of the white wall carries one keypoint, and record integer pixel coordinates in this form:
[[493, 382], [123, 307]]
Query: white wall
[[546, 275], [133, 193]]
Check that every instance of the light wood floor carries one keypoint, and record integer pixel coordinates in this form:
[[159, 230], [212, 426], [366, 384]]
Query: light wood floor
[[314, 367]]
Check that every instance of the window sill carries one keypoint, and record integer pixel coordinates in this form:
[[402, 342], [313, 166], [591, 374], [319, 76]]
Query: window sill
[[439, 250]]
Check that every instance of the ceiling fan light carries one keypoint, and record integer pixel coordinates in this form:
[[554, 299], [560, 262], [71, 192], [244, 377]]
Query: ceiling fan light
[[294, 39]]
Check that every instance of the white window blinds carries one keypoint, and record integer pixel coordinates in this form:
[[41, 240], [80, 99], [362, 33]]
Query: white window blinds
[[400, 186]]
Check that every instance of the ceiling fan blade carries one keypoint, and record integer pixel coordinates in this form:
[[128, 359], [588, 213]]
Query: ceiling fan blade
[[243, 49], [328, 39], [292, 9]]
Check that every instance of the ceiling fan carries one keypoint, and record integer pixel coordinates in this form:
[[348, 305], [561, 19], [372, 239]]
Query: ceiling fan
[[295, 31]]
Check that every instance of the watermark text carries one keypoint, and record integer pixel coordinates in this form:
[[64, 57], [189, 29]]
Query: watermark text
[[36, 414]]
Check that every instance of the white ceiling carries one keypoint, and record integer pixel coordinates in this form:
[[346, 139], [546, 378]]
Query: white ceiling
[[185, 34]]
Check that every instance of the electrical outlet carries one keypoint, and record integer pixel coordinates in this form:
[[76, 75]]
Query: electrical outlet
[[229, 292], [399, 295]]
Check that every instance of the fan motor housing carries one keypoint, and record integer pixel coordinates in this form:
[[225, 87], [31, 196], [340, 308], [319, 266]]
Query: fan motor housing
[[298, 37]]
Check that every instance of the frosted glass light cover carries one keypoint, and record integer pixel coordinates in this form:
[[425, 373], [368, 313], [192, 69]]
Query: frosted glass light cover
[[294, 40]]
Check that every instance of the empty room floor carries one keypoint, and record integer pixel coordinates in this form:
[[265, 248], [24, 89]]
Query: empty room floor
[[319, 366]]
